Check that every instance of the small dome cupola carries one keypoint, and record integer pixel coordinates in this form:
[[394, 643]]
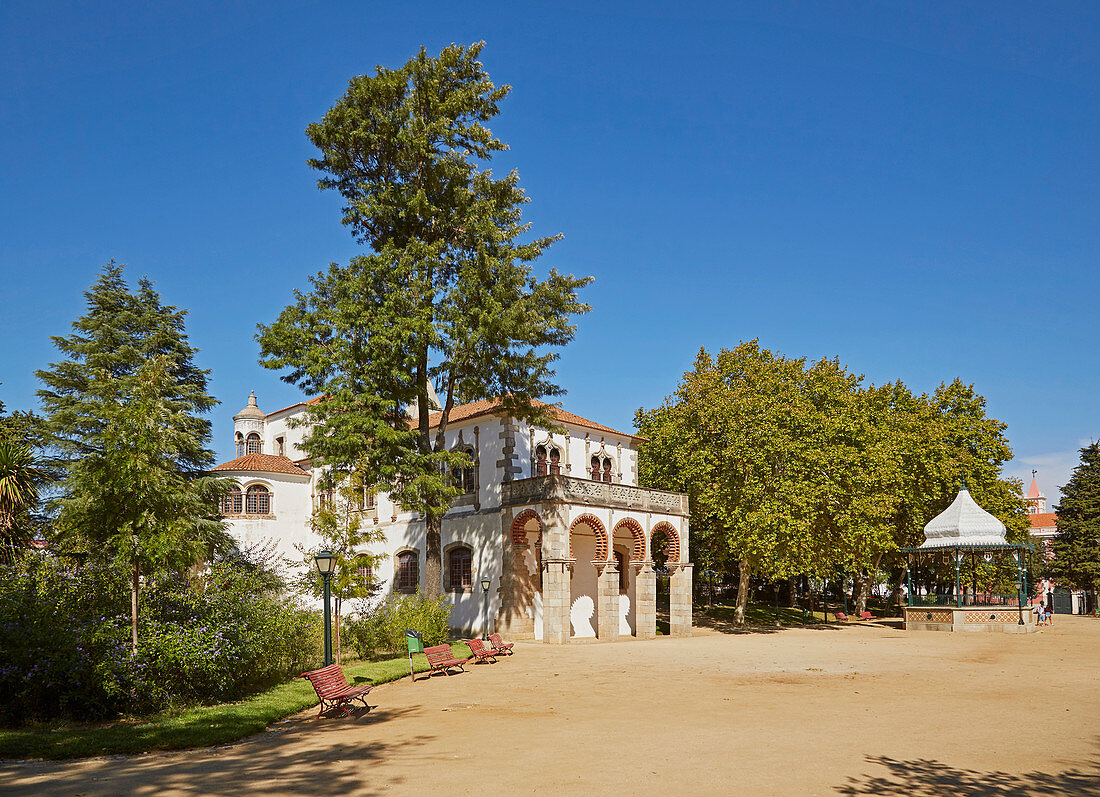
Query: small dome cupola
[[964, 523], [251, 410], [248, 428]]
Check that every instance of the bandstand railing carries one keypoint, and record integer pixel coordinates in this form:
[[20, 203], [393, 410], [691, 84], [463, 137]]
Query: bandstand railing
[[979, 599]]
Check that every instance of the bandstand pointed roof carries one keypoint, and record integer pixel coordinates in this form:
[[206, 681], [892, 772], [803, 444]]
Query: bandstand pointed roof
[[964, 524]]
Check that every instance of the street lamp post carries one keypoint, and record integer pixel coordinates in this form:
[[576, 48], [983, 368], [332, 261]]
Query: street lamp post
[[326, 563], [485, 588]]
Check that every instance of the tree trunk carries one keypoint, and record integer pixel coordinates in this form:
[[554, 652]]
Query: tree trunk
[[336, 632], [792, 590], [433, 559], [865, 585], [742, 593], [134, 585]]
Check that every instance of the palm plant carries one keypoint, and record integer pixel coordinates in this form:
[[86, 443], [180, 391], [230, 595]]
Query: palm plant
[[19, 478]]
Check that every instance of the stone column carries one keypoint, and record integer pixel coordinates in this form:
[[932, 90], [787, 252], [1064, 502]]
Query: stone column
[[557, 571], [679, 614], [607, 585], [645, 596]]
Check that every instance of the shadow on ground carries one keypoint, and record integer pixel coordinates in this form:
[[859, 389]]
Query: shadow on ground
[[274, 762], [924, 778]]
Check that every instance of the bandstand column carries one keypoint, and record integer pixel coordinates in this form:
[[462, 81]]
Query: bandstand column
[[679, 614], [557, 570], [607, 625], [645, 595]]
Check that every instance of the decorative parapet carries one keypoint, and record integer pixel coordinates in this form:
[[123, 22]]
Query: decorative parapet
[[566, 489]]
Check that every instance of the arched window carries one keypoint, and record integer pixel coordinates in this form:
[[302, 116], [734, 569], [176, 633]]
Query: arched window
[[463, 477], [253, 444], [460, 567], [408, 572], [258, 500], [547, 460], [240, 444], [233, 501], [601, 469]]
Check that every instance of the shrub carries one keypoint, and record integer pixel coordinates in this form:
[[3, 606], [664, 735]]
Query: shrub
[[381, 629], [219, 637], [65, 637]]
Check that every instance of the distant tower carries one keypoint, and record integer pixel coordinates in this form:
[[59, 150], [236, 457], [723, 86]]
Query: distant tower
[[1035, 500], [248, 428]]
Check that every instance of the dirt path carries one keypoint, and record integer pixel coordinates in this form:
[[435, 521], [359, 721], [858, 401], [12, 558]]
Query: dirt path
[[859, 710]]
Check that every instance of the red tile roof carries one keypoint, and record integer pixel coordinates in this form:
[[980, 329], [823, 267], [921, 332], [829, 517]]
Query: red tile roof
[[1044, 520], [292, 406], [476, 409], [263, 463]]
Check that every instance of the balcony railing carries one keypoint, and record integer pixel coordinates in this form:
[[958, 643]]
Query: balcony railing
[[583, 491]]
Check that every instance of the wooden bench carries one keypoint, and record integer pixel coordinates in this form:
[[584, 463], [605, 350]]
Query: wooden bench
[[499, 645], [441, 659], [481, 653], [866, 616], [841, 617], [333, 689]]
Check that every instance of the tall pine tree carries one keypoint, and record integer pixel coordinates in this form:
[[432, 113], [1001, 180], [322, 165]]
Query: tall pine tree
[[124, 409], [1076, 549], [445, 299]]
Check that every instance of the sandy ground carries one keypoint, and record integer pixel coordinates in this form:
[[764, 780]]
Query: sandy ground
[[862, 709]]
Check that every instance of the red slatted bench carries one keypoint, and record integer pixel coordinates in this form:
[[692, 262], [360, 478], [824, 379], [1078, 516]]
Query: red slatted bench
[[842, 617], [481, 653], [499, 645], [866, 616], [441, 659], [333, 690]]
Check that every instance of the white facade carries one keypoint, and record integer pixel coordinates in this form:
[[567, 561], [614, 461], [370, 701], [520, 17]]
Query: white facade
[[581, 482]]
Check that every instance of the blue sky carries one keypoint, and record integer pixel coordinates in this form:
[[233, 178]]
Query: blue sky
[[911, 187]]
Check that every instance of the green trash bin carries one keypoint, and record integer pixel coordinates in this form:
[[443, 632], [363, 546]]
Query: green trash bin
[[415, 641]]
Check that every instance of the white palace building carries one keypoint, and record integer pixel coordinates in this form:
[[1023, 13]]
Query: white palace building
[[556, 521]]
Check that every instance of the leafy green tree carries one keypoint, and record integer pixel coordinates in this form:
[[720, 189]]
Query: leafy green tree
[[338, 521], [730, 438], [445, 298], [1076, 549], [798, 469], [124, 408]]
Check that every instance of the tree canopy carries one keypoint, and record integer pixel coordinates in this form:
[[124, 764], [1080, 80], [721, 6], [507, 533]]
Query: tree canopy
[[124, 409], [445, 298], [1076, 548], [798, 468]]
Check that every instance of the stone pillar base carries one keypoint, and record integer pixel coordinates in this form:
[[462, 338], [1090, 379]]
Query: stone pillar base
[[679, 614], [556, 574], [607, 585], [645, 592]]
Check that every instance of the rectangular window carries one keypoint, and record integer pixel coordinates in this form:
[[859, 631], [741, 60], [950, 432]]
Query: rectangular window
[[460, 568], [408, 572]]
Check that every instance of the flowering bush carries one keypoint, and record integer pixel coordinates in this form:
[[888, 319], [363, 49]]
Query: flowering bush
[[381, 629], [63, 633], [65, 637]]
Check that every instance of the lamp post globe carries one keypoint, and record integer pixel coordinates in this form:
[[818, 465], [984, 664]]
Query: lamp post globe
[[325, 560]]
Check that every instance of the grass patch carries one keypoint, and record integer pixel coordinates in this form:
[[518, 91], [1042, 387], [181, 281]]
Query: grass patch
[[764, 614], [200, 726]]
